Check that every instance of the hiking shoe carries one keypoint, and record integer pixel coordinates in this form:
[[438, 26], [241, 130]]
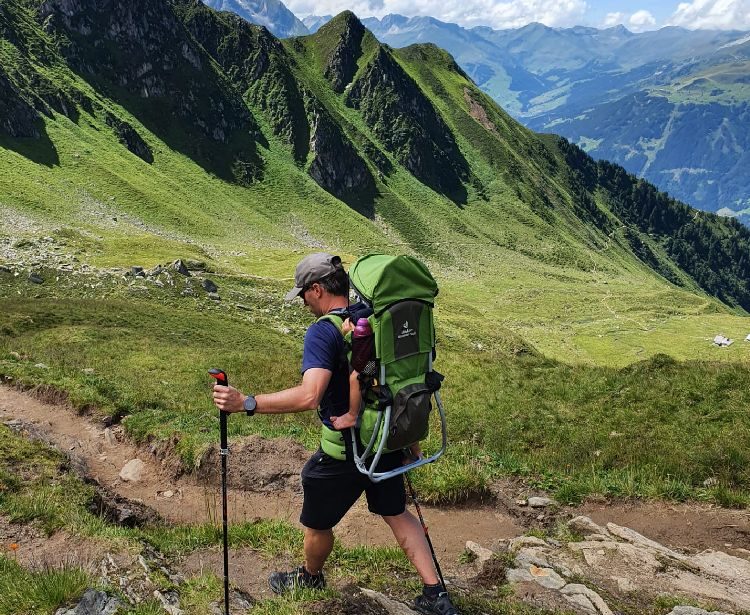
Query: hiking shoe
[[281, 582], [441, 605]]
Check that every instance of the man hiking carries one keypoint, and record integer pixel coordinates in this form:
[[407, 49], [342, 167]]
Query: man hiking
[[332, 486]]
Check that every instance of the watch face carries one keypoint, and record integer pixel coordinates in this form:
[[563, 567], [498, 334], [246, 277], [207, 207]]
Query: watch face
[[249, 403]]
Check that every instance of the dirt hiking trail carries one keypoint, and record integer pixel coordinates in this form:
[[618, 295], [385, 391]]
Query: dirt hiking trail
[[101, 453]]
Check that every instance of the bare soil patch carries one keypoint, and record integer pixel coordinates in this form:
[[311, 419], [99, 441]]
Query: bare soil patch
[[258, 464]]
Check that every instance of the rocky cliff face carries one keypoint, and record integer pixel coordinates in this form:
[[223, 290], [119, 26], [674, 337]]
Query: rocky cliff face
[[342, 63], [272, 14], [408, 125], [18, 118], [140, 54], [336, 166], [257, 64]]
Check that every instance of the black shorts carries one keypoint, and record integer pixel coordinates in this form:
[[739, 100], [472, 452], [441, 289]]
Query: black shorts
[[331, 488]]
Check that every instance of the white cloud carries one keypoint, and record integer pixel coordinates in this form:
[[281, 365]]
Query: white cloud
[[641, 20], [503, 14], [636, 22], [614, 19], [712, 15]]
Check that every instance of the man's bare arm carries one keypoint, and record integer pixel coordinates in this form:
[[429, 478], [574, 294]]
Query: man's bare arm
[[305, 396]]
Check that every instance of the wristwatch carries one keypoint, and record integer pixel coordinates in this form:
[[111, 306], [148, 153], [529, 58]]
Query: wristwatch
[[249, 405]]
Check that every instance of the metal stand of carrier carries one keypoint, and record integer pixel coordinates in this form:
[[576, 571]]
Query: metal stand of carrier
[[381, 428]]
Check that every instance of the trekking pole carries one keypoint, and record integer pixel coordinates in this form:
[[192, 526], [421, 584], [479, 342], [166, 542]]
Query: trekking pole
[[222, 380], [426, 533]]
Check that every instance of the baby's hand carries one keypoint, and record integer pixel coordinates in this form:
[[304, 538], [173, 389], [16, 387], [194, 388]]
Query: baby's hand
[[343, 422]]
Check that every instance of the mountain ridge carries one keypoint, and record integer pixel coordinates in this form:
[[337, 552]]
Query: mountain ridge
[[421, 142], [565, 80]]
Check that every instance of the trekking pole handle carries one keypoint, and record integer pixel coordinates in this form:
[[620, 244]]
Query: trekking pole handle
[[220, 375], [222, 380]]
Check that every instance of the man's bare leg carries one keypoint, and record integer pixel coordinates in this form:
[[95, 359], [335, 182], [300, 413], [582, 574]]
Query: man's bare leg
[[410, 536], [318, 545]]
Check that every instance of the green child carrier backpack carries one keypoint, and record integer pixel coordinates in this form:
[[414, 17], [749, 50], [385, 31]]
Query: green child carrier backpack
[[397, 396]]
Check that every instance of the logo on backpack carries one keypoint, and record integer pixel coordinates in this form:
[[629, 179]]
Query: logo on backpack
[[406, 331]]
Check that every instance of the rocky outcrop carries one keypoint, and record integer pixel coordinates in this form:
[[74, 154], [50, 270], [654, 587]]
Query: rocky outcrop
[[617, 561], [17, 117], [257, 64], [139, 53], [409, 126], [336, 165], [342, 62], [129, 137]]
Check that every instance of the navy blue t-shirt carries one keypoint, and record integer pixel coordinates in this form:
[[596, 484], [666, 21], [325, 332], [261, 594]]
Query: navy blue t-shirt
[[324, 347]]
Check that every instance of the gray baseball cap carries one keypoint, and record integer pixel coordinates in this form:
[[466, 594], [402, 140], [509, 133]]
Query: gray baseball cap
[[313, 268]]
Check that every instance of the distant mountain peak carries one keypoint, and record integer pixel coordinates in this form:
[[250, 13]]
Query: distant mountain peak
[[272, 14]]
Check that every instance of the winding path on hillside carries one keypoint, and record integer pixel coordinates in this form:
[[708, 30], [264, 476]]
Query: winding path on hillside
[[187, 499]]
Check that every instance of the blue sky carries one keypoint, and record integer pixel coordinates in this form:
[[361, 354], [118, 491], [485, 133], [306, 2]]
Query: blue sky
[[636, 15]]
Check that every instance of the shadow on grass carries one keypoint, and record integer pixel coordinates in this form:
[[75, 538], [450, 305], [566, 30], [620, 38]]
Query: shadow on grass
[[39, 149]]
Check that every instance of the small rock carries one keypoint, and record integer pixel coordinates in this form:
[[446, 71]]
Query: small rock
[[546, 577], [244, 308], [109, 437], [137, 271], [585, 526], [35, 278], [528, 557], [88, 371], [710, 482], [583, 604], [41, 366], [624, 584], [540, 502], [526, 541], [521, 502], [594, 598], [209, 286], [195, 265], [180, 268], [214, 297], [133, 471], [93, 602], [155, 271], [167, 494], [5, 269], [167, 603], [391, 606], [483, 554], [15, 355]]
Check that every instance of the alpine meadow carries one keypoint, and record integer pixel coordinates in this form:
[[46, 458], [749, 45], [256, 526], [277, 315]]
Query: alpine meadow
[[163, 168]]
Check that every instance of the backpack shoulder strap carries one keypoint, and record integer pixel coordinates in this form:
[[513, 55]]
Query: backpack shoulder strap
[[335, 319]]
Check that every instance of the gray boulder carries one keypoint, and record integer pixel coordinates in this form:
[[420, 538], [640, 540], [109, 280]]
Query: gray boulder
[[209, 286], [94, 603], [180, 268]]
